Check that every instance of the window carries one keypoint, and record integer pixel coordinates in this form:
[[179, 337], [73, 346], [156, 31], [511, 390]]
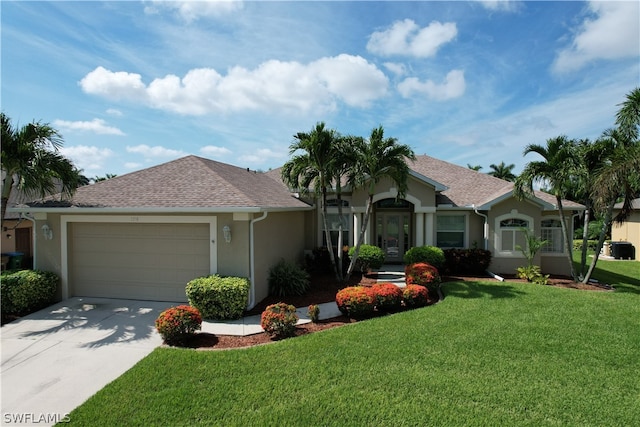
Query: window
[[551, 231], [509, 234], [333, 221], [451, 231]]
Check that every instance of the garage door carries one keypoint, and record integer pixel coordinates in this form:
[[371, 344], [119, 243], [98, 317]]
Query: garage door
[[136, 261]]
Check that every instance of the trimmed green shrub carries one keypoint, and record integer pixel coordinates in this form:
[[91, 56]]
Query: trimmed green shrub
[[175, 324], [356, 301], [428, 254], [279, 320], [423, 274], [591, 244], [388, 296], [369, 257], [218, 297], [26, 291], [415, 296], [466, 261], [287, 278]]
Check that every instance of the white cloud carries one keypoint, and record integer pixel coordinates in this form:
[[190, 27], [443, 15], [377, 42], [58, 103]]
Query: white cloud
[[155, 152], [192, 10], [453, 87], [395, 68], [98, 126], [500, 5], [611, 32], [212, 150], [272, 86], [133, 165], [114, 112], [262, 154], [407, 38], [88, 158]]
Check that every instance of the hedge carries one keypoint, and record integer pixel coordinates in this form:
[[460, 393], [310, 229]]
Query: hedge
[[217, 297]]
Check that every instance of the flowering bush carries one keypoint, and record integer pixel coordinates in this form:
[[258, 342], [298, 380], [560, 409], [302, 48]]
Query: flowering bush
[[279, 320], [356, 301], [415, 296], [176, 323], [423, 274], [388, 296], [314, 312]]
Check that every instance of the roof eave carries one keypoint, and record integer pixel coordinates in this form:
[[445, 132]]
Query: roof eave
[[138, 210]]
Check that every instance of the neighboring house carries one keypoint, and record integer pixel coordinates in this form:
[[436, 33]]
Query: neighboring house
[[144, 235], [628, 231], [17, 230]]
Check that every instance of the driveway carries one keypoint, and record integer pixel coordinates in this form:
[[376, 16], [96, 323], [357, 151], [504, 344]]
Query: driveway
[[56, 358]]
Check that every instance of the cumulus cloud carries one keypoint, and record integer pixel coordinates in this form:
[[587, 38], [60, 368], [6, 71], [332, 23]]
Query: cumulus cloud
[[453, 87], [273, 85], [611, 31], [500, 5], [89, 159], [262, 154], [395, 68], [212, 150], [407, 38], [114, 112], [191, 10], [98, 126], [156, 152]]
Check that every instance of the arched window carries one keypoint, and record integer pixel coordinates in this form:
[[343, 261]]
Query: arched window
[[510, 234]]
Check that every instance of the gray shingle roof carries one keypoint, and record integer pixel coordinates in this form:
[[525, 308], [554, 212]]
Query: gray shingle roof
[[189, 182]]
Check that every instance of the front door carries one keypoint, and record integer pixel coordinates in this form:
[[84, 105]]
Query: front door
[[392, 234]]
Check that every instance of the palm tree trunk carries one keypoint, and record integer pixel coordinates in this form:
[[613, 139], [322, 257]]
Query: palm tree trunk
[[603, 233], [568, 240], [327, 235], [363, 230], [585, 240], [7, 186]]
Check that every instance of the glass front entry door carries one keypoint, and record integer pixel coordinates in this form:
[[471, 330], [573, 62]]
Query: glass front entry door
[[392, 235]]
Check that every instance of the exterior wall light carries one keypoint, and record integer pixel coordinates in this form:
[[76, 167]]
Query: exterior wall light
[[226, 231], [47, 232]]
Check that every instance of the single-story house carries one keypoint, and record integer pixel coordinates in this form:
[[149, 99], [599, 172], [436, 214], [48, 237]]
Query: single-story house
[[628, 231], [144, 235]]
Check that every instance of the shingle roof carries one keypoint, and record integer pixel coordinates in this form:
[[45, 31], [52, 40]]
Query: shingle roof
[[189, 182]]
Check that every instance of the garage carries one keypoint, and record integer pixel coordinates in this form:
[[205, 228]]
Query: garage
[[151, 261]]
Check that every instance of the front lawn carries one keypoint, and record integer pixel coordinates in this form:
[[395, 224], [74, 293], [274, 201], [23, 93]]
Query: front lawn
[[489, 354]]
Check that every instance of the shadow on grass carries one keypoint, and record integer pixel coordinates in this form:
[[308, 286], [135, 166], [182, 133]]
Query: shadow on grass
[[479, 290]]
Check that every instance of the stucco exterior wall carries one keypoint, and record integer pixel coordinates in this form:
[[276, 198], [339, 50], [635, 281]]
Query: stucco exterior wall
[[628, 231], [416, 191], [233, 257]]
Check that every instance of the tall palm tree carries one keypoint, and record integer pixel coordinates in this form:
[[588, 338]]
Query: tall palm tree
[[312, 168], [556, 171], [377, 158], [503, 171], [474, 168], [31, 160]]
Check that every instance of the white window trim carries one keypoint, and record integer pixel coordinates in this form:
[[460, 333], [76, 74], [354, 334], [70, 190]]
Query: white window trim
[[564, 249], [499, 253]]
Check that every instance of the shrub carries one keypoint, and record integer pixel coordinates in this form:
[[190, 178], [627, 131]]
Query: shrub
[[219, 297], [388, 296], [415, 296], [176, 323], [314, 312], [287, 278], [425, 254], [369, 257], [279, 320], [26, 291], [356, 301], [466, 261], [423, 274]]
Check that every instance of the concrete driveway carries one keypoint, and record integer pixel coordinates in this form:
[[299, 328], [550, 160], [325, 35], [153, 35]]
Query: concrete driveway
[[56, 358]]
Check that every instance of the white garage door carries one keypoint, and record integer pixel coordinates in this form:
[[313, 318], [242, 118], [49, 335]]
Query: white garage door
[[136, 261]]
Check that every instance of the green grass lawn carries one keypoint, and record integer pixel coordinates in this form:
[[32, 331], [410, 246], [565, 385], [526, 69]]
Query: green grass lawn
[[489, 354]]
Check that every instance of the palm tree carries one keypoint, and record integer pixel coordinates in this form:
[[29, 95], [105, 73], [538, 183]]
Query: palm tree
[[313, 168], [32, 161], [503, 171], [377, 158], [474, 168], [555, 170]]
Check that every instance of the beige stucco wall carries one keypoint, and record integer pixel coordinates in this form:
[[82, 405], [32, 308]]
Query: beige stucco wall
[[416, 190], [279, 236], [233, 257], [628, 231]]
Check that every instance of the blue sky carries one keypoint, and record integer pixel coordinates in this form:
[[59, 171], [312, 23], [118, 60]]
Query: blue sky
[[134, 84]]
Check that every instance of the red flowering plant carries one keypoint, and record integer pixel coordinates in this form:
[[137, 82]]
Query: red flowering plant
[[423, 274], [279, 320], [415, 296], [175, 324], [356, 301], [388, 296]]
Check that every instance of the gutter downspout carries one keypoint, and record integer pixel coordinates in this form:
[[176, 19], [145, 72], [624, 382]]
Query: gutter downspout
[[252, 262], [486, 240]]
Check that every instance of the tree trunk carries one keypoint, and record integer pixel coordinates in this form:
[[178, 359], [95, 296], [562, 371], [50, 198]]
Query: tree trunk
[[603, 233], [7, 186], [363, 230], [327, 234], [585, 240], [568, 240]]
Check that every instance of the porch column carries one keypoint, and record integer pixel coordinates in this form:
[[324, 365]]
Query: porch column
[[429, 229], [356, 228], [419, 229]]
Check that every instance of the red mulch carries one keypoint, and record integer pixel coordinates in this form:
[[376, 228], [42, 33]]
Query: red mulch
[[324, 289]]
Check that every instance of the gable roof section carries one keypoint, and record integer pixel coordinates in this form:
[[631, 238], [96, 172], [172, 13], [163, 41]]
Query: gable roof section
[[187, 183]]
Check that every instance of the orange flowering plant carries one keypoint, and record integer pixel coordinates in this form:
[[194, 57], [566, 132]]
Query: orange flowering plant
[[356, 301], [423, 274], [176, 323], [314, 312], [415, 296], [279, 320], [388, 296]]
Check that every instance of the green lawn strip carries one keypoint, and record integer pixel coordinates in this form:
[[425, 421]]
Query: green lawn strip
[[623, 275], [489, 354]]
